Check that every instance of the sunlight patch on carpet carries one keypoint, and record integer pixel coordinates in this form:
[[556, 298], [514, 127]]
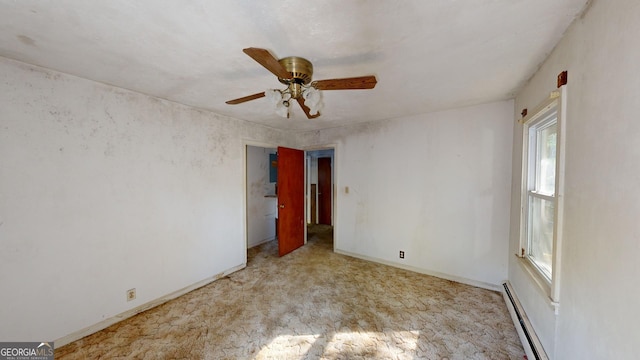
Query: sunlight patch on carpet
[[285, 345], [392, 344]]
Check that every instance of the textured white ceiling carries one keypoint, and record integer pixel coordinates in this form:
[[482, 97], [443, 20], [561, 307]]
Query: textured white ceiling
[[427, 55]]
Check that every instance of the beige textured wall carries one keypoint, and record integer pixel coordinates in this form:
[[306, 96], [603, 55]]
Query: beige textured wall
[[103, 190]]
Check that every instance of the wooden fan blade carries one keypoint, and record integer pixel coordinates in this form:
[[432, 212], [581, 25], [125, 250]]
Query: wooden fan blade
[[264, 58], [354, 83], [246, 98], [306, 109]]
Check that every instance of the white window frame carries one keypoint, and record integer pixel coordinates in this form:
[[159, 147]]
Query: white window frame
[[557, 102]]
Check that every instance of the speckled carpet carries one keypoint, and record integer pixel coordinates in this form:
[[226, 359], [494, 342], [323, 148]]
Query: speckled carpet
[[314, 304]]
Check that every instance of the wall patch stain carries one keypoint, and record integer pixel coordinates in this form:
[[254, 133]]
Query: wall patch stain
[[26, 40]]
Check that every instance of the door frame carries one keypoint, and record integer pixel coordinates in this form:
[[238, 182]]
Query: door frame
[[245, 214], [336, 187]]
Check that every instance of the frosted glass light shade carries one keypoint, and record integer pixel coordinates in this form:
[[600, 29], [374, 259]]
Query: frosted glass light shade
[[273, 96], [312, 100], [282, 110]]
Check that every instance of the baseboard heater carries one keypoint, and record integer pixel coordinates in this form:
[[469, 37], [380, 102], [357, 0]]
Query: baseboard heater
[[532, 345]]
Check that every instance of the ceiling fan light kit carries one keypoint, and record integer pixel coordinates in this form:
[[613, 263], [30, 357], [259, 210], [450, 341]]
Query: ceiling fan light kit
[[296, 73]]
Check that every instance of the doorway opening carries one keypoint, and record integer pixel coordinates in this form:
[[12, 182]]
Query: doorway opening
[[261, 200], [320, 192], [270, 197], [275, 197]]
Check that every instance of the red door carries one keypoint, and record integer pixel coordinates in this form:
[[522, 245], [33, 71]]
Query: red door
[[290, 200], [324, 190]]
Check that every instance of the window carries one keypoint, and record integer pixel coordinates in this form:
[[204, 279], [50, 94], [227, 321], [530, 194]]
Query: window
[[541, 209], [541, 191]]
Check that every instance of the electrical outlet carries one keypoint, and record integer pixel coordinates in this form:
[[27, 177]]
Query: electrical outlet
[[401, 254], [131, 294]]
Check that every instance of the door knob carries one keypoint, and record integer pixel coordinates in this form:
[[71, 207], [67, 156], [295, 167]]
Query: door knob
[[282, 206]]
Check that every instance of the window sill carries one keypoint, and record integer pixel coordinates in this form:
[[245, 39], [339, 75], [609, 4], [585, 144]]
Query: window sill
[[542, 284]]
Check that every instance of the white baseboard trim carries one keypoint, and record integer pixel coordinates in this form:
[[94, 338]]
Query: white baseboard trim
[[132, 312], [458, 279], [262, 242]]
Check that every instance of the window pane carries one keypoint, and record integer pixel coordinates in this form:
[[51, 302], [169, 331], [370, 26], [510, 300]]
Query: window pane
[[546, 159], [540, 233]]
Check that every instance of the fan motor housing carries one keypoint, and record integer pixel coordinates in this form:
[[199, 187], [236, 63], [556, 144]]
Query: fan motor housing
[[301, 70]]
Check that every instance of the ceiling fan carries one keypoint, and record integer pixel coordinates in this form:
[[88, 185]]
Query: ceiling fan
[[295, 72]]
